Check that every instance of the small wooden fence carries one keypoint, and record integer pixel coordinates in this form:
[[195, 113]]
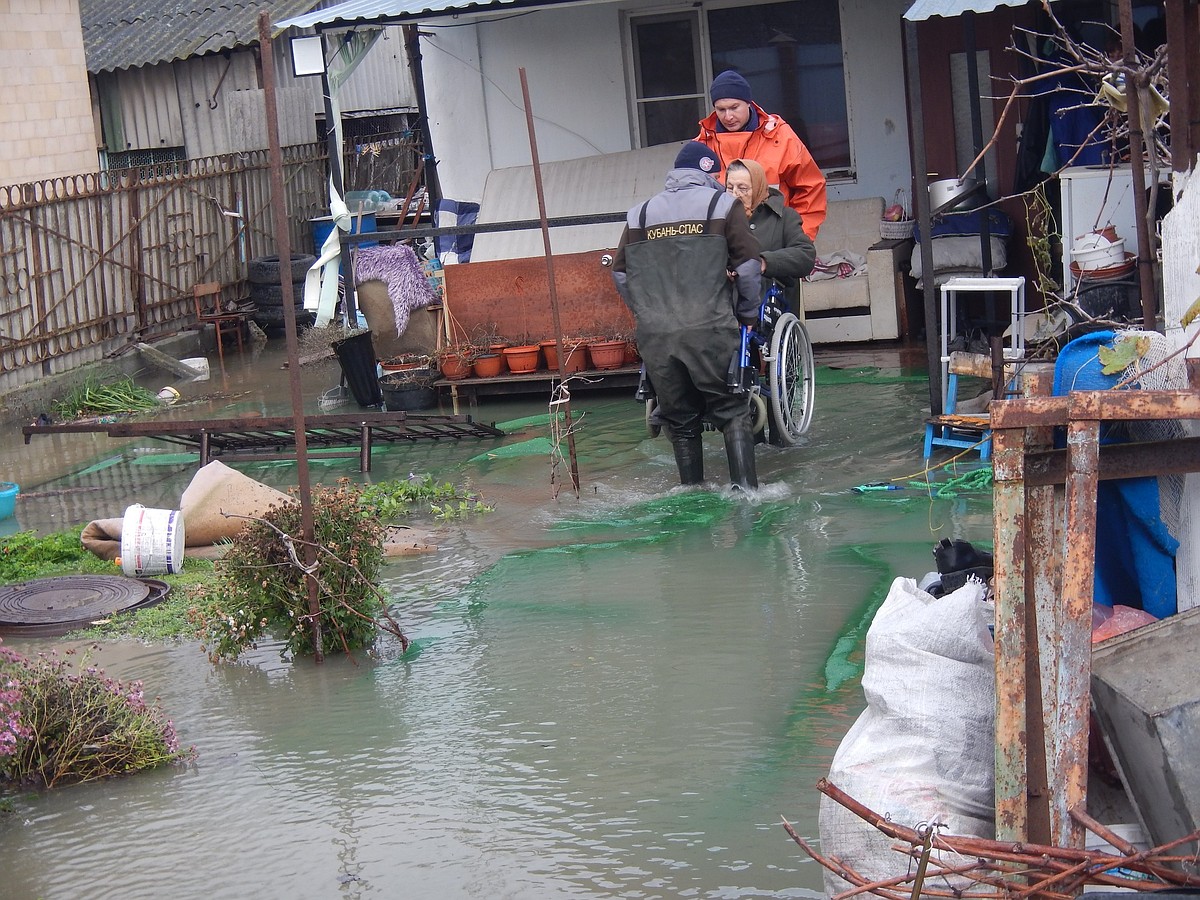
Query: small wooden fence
[[92, 263]]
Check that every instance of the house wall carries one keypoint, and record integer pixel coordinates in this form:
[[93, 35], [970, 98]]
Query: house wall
[[574, 62], [46, 125]]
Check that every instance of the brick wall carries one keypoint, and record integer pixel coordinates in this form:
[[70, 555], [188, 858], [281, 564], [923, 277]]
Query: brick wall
[[46, 124]]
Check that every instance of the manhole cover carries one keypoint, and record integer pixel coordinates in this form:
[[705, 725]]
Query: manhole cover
[[52, 606]]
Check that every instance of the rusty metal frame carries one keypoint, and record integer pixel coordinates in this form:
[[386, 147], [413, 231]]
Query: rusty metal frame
[[1044, 583]]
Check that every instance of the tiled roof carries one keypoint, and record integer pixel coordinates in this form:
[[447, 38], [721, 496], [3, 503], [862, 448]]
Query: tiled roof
[[122, 34]]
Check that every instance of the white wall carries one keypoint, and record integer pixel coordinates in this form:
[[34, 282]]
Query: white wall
[[574, 64]]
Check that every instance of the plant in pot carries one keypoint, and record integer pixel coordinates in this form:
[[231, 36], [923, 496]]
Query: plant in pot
[[488, 339], [455, 360], [575, 358], [607, 353], [406, 362], [523, 359], [488, 364]]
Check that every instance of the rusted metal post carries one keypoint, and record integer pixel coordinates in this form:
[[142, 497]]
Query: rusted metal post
[[1008, 523], [1043, 537], [541, 198], [283, 247], [1070, 719]]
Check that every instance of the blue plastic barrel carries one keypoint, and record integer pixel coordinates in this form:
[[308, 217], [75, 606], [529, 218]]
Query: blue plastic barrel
[[323, 225]]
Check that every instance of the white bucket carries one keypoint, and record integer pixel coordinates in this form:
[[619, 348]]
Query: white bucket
[[151, 541], [200, 364]]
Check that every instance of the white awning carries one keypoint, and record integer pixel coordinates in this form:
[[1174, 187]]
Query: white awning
[[380, 12], [949, 9]]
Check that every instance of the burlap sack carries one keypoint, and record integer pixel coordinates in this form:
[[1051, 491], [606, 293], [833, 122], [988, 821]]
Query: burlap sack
[[215, 489], [218, 489]]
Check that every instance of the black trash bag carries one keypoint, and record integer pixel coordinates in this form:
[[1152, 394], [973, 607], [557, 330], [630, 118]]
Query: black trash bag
[[957, 561]]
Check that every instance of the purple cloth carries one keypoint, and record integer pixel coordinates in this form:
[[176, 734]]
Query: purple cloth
[[397, 266]]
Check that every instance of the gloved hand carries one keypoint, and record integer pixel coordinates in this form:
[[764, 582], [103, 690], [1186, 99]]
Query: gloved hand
[[749, 322]]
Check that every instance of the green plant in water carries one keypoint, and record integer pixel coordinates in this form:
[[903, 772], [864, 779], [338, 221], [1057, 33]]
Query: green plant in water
[[59, 725], [102, 398], [263, 586], [394, 500]]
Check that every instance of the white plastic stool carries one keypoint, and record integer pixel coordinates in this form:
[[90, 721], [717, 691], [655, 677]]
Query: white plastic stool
[[948, 326]]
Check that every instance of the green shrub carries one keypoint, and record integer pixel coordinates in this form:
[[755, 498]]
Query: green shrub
[[60, 726], [263, 587]]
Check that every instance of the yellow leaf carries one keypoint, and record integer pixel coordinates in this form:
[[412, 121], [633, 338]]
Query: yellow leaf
[[1192, 311]]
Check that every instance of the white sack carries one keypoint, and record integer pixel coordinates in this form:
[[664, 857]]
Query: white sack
[[924, 748]]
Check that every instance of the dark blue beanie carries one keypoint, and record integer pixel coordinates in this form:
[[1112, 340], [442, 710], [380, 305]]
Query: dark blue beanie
[[695, 155], [729, 85]]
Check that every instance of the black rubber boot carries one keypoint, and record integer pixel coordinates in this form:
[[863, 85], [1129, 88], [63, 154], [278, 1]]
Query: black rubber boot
[[689, 458], [739, 450]]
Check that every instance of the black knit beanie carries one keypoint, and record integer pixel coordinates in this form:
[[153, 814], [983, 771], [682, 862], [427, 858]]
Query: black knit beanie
[[729, 85], [695, 155]]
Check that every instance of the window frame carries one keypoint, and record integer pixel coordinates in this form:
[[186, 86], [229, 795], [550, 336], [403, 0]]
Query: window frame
[[699, 13]]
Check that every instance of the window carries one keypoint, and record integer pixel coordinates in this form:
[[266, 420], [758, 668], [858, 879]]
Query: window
[[790, 52], [669, 77]]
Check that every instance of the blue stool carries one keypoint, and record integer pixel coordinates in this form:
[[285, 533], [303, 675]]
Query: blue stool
[[958, 431]]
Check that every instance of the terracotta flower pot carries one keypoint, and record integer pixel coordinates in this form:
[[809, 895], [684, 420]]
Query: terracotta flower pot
[[576, 360], [522, 359], [632, 357], [498, 350], [455, 367], [607, 354], [489, 365]]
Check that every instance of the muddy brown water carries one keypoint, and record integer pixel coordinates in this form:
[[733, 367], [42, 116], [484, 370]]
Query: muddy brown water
[[618, 695]]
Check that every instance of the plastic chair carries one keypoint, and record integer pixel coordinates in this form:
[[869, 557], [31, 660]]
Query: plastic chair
[[225, 322]]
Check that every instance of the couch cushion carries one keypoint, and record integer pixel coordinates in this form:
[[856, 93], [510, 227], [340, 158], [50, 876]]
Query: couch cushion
[[850, 225]]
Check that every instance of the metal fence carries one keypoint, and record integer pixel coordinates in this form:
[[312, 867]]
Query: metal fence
[[92, 263]]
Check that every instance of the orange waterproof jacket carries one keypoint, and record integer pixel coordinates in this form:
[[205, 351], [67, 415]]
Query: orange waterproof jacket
[[777, 149]]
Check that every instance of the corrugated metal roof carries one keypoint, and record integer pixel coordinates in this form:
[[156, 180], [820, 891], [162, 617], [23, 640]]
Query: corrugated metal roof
[[122, 34], [948, 9], [394, 11]]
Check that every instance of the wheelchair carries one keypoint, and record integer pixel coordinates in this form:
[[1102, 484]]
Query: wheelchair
[[773, 368]]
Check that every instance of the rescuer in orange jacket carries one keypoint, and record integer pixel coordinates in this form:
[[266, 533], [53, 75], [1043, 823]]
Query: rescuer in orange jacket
[[738, 128]]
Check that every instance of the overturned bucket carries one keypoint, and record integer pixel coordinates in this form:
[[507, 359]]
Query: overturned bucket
[[151, 541]]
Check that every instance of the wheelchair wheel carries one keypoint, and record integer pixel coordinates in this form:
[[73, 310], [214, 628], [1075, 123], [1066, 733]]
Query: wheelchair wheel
[[652, 427], [791, 381], [758, 412]]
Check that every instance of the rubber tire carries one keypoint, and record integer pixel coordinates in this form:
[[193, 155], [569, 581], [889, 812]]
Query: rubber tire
[[758, 412], [790, 416], [270, 296], [270, 319], [267, 269]]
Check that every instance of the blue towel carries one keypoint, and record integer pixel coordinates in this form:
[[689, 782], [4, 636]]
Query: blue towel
[[1135, 554]]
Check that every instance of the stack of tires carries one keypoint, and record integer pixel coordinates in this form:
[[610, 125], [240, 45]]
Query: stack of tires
[[266, 274]]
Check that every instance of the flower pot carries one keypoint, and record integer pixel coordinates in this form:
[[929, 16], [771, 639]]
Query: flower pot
[[522, 359], [607, 354], [632, 357], [498, 350], [576, 360], [455, 367], [407, 392], [488, 365], [405, 362]]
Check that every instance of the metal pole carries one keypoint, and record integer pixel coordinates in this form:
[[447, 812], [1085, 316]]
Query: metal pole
[[1137, 164], [283, 246], [537, 180], [928, 288]]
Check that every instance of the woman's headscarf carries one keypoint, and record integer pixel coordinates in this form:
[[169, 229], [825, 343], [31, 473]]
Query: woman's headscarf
[[758, 181]]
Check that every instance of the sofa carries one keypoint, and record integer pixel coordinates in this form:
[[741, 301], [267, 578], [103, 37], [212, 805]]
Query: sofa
[[863, 306]]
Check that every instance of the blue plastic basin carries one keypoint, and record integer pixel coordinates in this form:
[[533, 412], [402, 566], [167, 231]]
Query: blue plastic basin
[[8, 498]]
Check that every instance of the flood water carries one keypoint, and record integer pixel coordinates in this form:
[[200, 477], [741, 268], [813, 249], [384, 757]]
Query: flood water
[[618, 695]]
